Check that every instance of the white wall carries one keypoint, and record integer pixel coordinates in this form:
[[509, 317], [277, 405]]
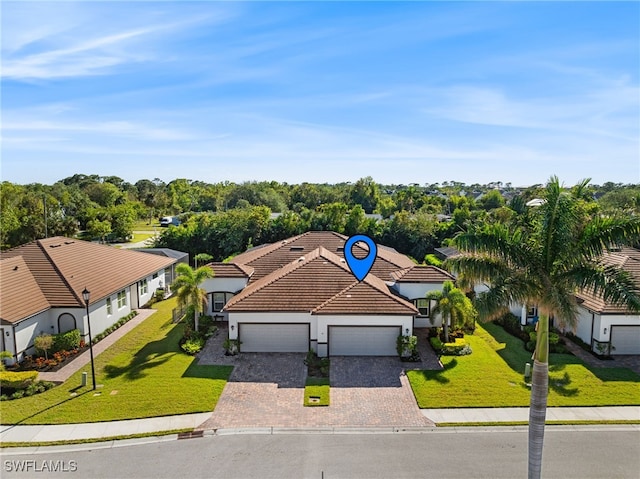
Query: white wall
[[26, 331], [227, 285], [607, 321], [416, 290], [582, 328]]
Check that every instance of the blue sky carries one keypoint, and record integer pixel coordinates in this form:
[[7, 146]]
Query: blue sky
[[418, 92]]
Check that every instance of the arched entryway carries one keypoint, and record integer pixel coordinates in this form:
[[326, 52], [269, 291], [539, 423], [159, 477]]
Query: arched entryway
[[66, 322]]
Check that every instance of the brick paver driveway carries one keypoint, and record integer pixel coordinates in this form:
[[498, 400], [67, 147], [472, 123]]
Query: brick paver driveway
[[267, 390]]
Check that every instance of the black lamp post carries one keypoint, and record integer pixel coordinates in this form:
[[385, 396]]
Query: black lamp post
[[86, 294]]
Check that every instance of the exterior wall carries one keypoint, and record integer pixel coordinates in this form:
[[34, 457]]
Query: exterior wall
[[25, 332], [324, 321], [413, 291], [602, 327], [582, 328], [100, 320], [221, 285]]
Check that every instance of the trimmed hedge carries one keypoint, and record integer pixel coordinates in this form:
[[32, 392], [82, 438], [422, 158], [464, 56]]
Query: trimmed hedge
[[66, 341], [457, 348], [17, 380], [114, 326]]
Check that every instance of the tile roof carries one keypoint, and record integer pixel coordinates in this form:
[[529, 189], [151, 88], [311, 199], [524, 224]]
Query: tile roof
[[231, 270], [268, 258], [421, 274], [625, 258], [63, 267], [318, 281], [20, 295]]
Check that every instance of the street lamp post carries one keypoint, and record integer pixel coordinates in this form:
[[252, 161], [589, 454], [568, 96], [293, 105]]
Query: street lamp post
[[86, 294]]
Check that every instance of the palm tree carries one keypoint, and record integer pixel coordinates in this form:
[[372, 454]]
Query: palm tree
[[453, 305], [187, 286], [545, 263]]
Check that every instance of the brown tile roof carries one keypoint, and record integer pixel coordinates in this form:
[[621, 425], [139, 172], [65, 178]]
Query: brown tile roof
[[421, 274], [315, 280], [370, 296], [268, 258], [63, 267], [20, 296], [231, 270], [627, 259]]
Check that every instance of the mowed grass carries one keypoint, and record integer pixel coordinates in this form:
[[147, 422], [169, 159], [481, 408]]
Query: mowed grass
[[144, 374], [319, 388], [493, 377]]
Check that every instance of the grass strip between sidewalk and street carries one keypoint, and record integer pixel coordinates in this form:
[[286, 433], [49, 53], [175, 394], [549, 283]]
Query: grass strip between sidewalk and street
[[144, 374], [492, 376]]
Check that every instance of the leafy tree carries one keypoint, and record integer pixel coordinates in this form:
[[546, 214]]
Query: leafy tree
[[202, 258], [545, 263], [44, 343], [99, 229], [105, 194], [454, 306], [187, 286], [366, 193]]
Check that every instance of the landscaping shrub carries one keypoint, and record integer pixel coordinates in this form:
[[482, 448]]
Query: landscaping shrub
[[193, 346], [17, 380], [66, 341], [555, 343], [511, 324], [114, 326], [317, 367], [458, 348]]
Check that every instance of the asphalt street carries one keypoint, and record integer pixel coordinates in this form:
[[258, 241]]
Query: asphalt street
[[570, 452]]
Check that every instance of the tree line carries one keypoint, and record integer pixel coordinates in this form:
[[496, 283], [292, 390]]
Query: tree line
[[224, 218]]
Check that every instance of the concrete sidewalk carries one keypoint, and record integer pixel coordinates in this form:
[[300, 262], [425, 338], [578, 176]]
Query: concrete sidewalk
[[521, 414], [68, 432]]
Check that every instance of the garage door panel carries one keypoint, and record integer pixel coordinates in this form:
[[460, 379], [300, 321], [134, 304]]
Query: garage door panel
[[363, 340], [625, 339], [275, 338]]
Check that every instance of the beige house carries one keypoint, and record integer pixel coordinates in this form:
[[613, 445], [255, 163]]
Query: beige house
[[299, 294], [41, 286]]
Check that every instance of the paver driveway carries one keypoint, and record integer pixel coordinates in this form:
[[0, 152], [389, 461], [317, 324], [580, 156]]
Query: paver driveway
[[267, 390]]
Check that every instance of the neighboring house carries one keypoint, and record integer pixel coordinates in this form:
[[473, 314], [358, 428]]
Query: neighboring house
[[41, 286], [608, 328], [170, 272], [299, 294]]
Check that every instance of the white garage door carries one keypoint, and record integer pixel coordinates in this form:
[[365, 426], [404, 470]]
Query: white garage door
[[625, 339], [363, 341], [274, 338]]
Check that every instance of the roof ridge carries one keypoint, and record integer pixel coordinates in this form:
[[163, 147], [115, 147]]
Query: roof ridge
[[57, 269], [335, 296]]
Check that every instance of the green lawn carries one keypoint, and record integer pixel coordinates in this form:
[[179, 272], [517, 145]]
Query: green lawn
[[493, 377], [137, 237], [317, 387], [144, 374]]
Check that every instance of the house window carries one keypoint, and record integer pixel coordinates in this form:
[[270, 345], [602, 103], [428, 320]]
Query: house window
[[122, 299], [144, 287], [219, 300], [109, 307], [423, 306], [532, 311]]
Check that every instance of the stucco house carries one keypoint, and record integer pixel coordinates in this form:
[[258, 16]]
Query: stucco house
[[299, 294], [41, 286], [608, 328]]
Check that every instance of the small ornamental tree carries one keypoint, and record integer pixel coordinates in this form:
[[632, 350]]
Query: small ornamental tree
[[43, 343]]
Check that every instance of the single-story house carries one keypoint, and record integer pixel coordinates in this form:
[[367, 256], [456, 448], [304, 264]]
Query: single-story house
[[608, 328], [41, 286], [299, 294], [170, 273]]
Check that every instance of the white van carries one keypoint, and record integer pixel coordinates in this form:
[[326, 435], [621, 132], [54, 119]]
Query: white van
[[169, 220]]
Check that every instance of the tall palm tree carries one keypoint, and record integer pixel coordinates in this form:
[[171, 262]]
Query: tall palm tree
[[453, 305], [187, 286], [545, 263]]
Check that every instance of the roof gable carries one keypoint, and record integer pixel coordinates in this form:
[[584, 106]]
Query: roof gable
[[20, 295], [231, 270], [421, 274]]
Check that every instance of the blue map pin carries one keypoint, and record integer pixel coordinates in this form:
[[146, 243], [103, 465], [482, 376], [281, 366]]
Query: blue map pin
[[360, 267]]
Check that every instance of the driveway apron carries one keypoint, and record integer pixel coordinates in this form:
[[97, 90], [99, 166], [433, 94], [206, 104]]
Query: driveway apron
[[267, 390]]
